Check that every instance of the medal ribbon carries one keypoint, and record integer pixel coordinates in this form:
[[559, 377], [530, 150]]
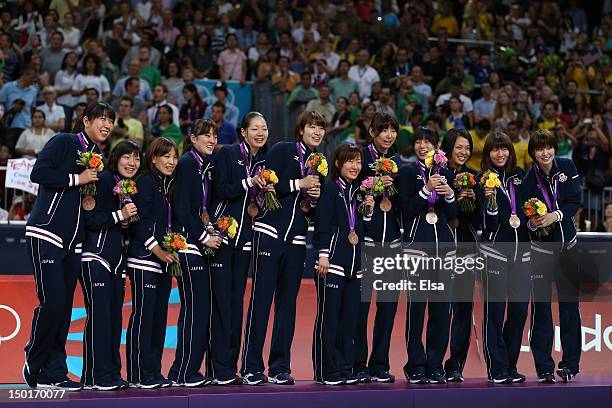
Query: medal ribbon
[[431, 200], [247, 165], [351, 208], [303, 171], [205, 182], [550, 204]]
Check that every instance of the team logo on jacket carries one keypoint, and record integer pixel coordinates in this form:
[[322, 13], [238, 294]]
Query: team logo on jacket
[[562, 178], [240, 163], [419, 177], [517, 181]]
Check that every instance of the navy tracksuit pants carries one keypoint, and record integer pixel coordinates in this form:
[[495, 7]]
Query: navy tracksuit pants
[[277, 273], [229, 269], [146, 332], [103, 292], [381, 339], [55, 273], [563, 269], [338, 300], [193, 325], [461, 324], [427, 359], [507, 288]]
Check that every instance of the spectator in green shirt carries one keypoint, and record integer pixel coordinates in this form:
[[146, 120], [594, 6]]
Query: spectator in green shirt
[[148, 72]]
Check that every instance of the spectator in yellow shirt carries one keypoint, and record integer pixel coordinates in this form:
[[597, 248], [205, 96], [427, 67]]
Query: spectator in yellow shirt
[[549, 119], [523, 160], [479, 136], [445, 19]]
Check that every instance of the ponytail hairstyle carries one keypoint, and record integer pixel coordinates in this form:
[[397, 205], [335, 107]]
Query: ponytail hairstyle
[[93, 111], [344, 153]]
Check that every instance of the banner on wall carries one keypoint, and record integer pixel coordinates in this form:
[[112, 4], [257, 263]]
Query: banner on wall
[[238, 95], [18, 175]]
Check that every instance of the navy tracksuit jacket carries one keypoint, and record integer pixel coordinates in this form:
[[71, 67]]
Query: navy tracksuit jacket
[[423, 239], [230, 265], [506, 281], [150, 280], [384, 227], [55, 233], [554, 259], [103, 267], [338, 292]]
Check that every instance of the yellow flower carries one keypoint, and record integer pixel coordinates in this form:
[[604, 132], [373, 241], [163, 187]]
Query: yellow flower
[[429, 161], [394, 167], [322, 168], [273, 178], [541, 210], [231, 231], [490, 183]]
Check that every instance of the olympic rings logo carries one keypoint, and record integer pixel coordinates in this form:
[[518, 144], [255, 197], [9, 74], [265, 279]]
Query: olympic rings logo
[[17, 325]]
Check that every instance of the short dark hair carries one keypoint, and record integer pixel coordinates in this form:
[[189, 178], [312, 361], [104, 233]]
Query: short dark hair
[[158, 147], [307, 118], [129, 99], [498, 140], [219, 105], [448, 143], [425, 133], [381, 122], [541, 139], [344, 153], [96, 60], [124, 147], [129, 81]]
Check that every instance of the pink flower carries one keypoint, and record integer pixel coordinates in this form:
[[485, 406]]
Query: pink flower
[[440, 158], [368, 183]]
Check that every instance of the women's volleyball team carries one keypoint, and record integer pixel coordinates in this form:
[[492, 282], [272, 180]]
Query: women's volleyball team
[[208, 219]]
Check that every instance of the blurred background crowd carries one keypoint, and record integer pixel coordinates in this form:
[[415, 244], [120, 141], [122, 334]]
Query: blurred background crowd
[[485, 65]]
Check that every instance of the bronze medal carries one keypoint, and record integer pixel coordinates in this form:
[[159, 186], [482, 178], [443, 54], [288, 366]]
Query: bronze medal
[[515, 221], [353, 238], [88, 203], [253, 210], [305, 206], [205, 217], [385, 205], [431, 218]]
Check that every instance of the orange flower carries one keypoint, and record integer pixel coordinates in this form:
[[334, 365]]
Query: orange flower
[[266, 174], [529, 211], [94, 162]]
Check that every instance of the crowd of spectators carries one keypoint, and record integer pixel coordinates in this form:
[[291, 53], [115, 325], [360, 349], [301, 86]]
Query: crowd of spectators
[[484, 65]]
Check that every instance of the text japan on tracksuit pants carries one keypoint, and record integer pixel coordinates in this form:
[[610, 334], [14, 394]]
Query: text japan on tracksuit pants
[[229, 267], [150, 282], [506, 281], [339, 291], [383, 227], [277, 274], [103, 282], [54, 242], [422, 240], [555, 260]]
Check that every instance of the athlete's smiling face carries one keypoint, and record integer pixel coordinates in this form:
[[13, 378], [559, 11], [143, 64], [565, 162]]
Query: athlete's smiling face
[[351, 168], [256, 133], [99, 128], [166, 163], [312, 135], [205, 142], [128, 165]]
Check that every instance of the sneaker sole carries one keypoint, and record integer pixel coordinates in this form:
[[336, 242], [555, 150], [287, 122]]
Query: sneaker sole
[[504, 381], [546, 381], [437, 381], [351, 382], [147, 387], [330, 382], [273, 380], [55, 387], [383, 380], [102, 388], [247, 382], [420, 381], [226, 382], [518, 380]]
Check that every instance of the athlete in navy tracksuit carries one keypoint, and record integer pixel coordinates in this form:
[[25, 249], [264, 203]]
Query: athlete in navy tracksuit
[[425, 239], [149, 267], [234, 185], [384, 227], [555, 182], [55, 234], [279, 249], [191, 200], [506, 282], [338, 279], [103, 268], [457, 144]]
